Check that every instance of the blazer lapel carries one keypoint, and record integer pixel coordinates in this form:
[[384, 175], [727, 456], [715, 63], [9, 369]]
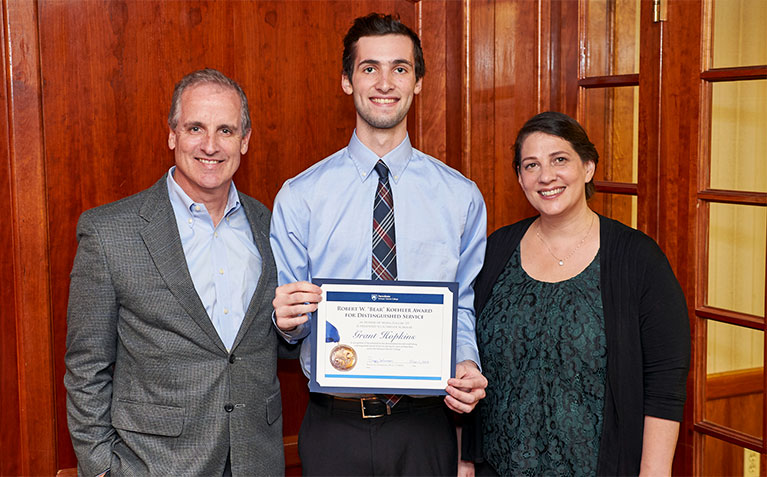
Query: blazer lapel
[[162, 240], [259, 228]]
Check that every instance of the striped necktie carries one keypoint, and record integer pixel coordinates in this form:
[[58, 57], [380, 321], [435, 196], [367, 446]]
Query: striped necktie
[[384, 243]]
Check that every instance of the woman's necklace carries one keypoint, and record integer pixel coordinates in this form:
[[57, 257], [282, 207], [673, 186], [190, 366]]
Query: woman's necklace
[[561, 261]]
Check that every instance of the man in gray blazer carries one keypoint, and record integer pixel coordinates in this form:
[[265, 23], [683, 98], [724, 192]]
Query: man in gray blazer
[[171, 353]]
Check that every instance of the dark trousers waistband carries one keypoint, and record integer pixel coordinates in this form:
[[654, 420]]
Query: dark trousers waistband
[[355, 405]]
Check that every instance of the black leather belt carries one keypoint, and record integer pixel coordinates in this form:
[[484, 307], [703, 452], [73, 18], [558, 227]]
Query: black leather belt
[[373, 407]]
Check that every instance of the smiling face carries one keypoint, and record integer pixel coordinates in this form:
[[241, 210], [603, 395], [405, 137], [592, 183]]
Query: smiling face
[[383, 83], [207, 141], [552, 175]]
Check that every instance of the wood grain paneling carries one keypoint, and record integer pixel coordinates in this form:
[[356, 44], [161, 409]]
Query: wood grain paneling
[[564, 57], [29, 218], [734, 399], [10, 457], [437, 118], [508, 58]]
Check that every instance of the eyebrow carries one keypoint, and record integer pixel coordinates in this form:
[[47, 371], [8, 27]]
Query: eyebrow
[[191, 124], [398, 61], [198, 124], [553, 154]]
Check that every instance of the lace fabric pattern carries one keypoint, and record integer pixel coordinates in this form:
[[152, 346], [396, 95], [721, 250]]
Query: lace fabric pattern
[[544, 352]]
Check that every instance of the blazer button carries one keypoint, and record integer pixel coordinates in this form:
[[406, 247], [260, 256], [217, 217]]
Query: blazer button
[[228, 407], [231, 358]]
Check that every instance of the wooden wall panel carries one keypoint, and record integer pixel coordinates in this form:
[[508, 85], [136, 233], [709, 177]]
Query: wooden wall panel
[[10, 457], [508, 82], [437, 109], [564, 49], [28, 216]]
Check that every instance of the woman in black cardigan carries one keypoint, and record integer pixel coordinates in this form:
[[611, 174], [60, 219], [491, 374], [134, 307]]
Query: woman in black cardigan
[[582, 329]]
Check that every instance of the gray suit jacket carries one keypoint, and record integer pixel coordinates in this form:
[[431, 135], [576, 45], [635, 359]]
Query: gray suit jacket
[[151, 389]]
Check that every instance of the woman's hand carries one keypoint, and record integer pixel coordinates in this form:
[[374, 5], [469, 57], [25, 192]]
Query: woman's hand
[[465, 468]]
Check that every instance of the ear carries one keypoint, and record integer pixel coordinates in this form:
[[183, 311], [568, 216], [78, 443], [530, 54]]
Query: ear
[[171, 139], [519, 179], [244, 142], [418, 86], [590, 168], [346, 84]]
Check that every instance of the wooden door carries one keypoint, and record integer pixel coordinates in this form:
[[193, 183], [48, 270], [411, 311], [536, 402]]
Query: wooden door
[[701, 184], [696, 184]]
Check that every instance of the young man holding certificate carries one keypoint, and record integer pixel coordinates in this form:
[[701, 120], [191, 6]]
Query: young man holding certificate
[[379, 209]]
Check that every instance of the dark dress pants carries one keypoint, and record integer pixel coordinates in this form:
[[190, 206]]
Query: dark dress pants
[[418, 438]]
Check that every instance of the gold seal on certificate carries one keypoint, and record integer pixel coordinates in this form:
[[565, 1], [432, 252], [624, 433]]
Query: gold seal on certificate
[[343, 357]]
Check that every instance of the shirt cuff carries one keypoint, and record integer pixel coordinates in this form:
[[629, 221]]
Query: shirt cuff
[[292, 336], [468, 352]]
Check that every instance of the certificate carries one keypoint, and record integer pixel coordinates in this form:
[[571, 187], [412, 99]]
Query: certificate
[[383, 337]]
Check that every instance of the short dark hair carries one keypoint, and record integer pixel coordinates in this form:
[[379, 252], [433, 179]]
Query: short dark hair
[[208, 76], [565, 127], [378, 24]]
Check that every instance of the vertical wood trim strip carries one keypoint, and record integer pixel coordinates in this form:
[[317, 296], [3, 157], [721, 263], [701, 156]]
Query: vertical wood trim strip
[[419, 132], [545, 64], [466, 94], [29, 221]]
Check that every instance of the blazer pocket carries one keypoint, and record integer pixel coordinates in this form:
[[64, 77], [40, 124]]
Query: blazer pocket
[[273, 407], [148, 418]]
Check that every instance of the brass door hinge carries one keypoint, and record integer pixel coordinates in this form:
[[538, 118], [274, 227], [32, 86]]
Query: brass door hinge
[[659, 13]]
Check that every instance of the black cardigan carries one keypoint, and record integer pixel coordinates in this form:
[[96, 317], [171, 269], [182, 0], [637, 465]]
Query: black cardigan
[[648, 338]]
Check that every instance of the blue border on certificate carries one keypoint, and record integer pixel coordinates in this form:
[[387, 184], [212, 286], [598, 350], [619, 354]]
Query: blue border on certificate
[[374, 297]]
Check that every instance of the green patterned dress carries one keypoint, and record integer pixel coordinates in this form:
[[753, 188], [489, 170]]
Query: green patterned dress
[[544, 353]]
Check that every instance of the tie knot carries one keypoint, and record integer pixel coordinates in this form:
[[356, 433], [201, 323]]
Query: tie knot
[[382, 170]]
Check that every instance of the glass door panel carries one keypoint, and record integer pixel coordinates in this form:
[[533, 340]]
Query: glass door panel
[[738, 35], [739, 134], [735, 377], [611, 121], [620, 207], [612, 36], [736, 261]]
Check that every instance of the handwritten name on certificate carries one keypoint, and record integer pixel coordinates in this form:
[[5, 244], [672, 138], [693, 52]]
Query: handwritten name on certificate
[[384, 337]]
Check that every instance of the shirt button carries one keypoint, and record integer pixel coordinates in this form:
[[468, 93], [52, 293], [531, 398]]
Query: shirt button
[[191, 220], [231, 358], [228, 407], [197, 208], [215, 234], [226, 311], [221, 271]]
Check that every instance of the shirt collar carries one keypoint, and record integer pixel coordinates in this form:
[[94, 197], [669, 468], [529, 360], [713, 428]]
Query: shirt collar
[[179, 196], [365, 160]]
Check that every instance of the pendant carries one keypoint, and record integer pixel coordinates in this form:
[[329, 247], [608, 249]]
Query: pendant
[[561, 263]]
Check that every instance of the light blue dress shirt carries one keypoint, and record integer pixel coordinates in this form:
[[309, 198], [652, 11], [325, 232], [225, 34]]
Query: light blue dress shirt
[[322, 227], [223, 261]]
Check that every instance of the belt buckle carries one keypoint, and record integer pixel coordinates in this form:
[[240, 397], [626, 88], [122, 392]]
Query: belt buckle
[[373, 416]]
